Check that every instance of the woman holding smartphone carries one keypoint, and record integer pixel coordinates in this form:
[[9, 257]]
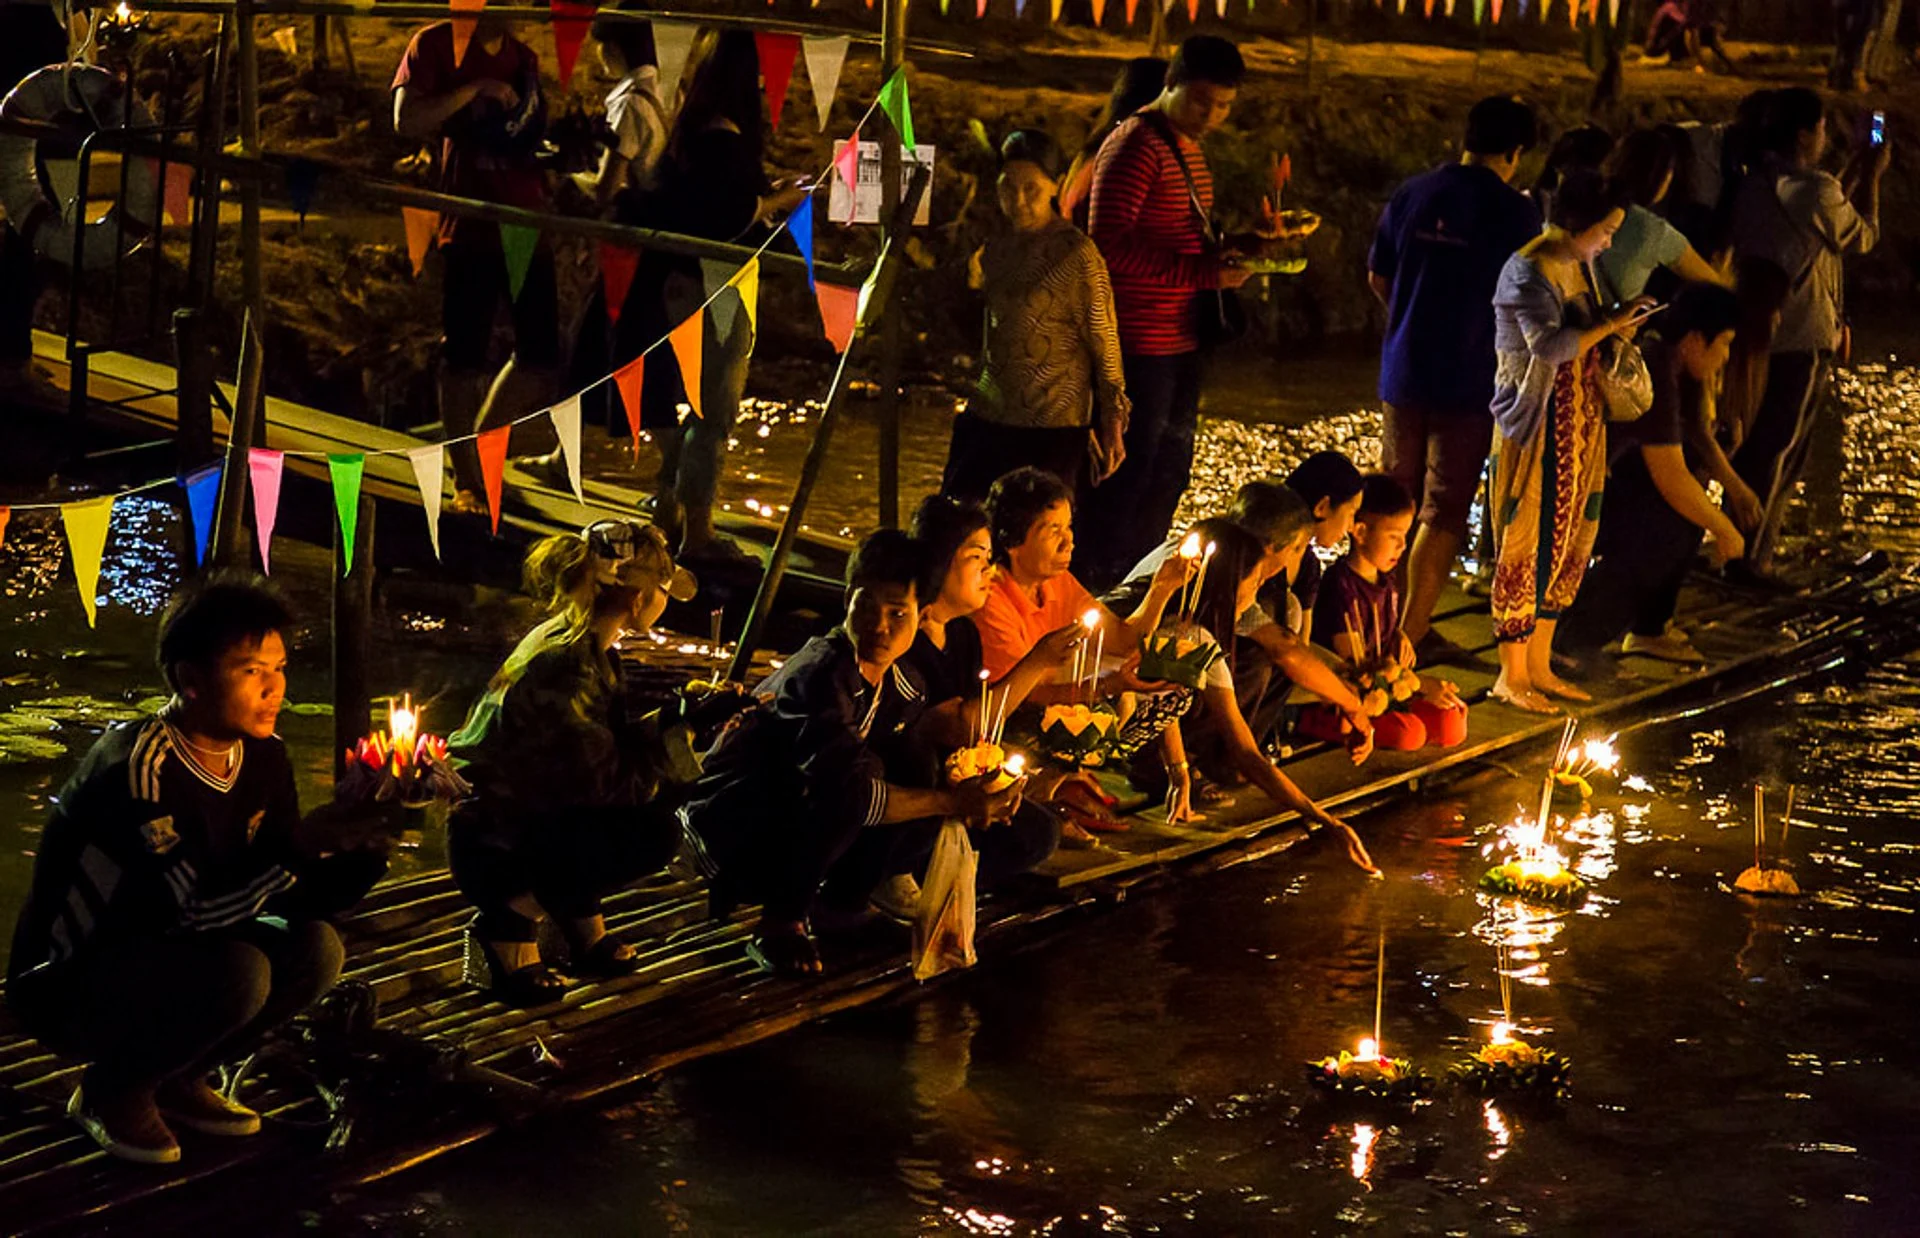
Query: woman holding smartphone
[[1550, 452]]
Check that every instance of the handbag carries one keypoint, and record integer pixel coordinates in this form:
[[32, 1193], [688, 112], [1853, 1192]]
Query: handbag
[[1626, 384], [1220, 317]]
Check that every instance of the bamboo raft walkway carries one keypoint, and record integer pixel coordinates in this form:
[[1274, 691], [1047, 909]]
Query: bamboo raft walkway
[[460, 1066]]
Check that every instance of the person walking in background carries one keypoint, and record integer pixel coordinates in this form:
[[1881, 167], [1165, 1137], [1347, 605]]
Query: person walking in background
[[1436, 257], [1050, 392], [1550, 456], [1151, 218], [1138, 83], [1682, 30], [489, 114], [712, 184], [1803, 221]]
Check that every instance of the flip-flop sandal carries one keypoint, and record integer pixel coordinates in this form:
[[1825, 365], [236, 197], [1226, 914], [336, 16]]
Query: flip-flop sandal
[[1076, 796], [1208, 795], [1073, 838], [789, 952], [1096, 823]]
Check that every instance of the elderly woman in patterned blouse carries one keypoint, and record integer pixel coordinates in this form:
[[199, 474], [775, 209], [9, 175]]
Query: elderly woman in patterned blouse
[[1051, 393]]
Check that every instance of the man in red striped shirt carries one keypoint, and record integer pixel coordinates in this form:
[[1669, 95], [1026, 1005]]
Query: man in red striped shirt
[[1150, 219]]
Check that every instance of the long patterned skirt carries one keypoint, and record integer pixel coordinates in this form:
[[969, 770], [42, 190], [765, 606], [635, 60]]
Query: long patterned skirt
[[1546, 504]]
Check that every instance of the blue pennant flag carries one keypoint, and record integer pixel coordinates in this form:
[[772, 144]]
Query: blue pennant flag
[[800, 224], [203, 494]]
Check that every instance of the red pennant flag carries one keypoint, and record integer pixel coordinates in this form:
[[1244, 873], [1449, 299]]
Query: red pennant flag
[[686, 340], [492, 446], [570, 22], [176, 196], [777, 53], [466, 16], [617, 265], [628, 379], [839, 312], [1193, 10]]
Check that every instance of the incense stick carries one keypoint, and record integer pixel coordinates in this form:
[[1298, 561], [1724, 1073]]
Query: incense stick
[[1379, 988], [1759, 822], [1786, 820]]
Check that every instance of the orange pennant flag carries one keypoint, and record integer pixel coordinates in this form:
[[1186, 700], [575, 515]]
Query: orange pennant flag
[[1099, 11], [466, 16], [6, 514], [422, 228], [628, 379], [686, 341], [492, 446], [617, 265], [1133, 8], [839, 312]]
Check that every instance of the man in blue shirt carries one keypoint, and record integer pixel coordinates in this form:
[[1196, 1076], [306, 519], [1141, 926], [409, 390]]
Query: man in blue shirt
[[1435, 260]]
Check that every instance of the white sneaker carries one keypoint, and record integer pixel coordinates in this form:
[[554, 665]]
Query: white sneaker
[[898, 898]]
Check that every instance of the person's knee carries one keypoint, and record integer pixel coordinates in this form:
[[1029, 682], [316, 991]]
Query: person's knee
[[1399, 732], [233, 985], [315, 959]]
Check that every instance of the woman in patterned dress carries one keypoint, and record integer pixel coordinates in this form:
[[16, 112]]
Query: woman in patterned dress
[[1550, 455], [1051, 393]]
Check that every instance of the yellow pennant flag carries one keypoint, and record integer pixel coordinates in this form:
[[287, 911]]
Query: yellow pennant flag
[[747, 284], [86, 525]]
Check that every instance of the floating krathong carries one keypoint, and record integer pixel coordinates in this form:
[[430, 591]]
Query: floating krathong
[[1370, 1075], [1539, 874], [403, 764], [1761, 880]]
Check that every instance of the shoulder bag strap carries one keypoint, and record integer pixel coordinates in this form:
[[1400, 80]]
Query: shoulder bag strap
[[1158, 123]]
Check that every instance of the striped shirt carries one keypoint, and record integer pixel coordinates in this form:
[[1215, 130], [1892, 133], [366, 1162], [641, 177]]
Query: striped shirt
[[1145, 225]]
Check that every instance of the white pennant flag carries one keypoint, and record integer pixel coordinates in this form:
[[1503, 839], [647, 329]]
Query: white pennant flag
[[1613, 13], [824, 58], [427, 462], [566, 424], [672, 42]]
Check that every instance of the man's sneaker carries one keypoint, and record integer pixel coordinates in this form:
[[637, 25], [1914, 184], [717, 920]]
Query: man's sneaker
[[194, 1104], [1671, 645], [129, 1128], [898, 898]]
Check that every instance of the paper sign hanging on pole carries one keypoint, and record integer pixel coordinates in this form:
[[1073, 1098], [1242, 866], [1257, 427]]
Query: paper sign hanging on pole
[[617, 265], [839, 308], [203, 495], [422, 227], [825, 57], [895, 102], [86, 525], [860, 202], [687, 340], [466, 17], [672, 43], [570, 22], [800, 227], [492, 447], [777, 53], [566, 426], [517, 244], [263, 478], [428, 463], [346, 470], [629, 379]]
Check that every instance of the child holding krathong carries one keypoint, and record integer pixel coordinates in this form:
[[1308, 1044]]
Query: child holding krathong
[[1357, 615]]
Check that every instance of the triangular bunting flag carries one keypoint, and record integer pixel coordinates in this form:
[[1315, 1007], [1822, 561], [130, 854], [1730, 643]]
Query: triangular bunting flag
[[303, 179], [800, 225], [686, 340], [629, 378], [1099, 12], [1220, 9], [1450, 4], [570, 23], [86, 524], [746, 281], [6, 514], [1193, 10], [777, 52], [980, 8], [825, 56], [428, 463], [1429, 13], [263, 478], [898, 107], [839, 309], [492, 446], [722, 302], [617, 265], [1613, 13], [1495, 11], [672, 42], [346, 470], [1019, 8], [1573, 14], [1479, 12], [846, 162], [517, 243], [176, 196], [1053, 8], [943, 8], [1133, 8], [566, 425], [422, 228], [203, 495], [466, 16]]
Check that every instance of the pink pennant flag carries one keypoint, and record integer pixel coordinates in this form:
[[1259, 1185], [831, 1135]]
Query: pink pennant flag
[[263, 474], [846, 161], [466, 17], [617, 265], [777, 54], [687, 339], [628, 379], [492, 446], [839, 312]]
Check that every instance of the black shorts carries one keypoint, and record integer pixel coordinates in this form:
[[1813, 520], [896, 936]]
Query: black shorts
[[474, 283]]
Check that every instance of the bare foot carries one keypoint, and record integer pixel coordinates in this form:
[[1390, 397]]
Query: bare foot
[[1555, 686], [1522, 697]]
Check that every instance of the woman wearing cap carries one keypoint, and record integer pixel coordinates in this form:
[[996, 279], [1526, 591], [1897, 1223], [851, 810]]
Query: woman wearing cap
[[568, 799], [1051, 393]]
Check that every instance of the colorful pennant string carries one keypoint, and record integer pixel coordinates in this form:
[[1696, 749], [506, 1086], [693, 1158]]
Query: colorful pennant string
[[264, 467]]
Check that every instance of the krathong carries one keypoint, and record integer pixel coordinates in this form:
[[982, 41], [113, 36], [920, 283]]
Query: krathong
[[986, 758], [1508, 1064], [1370, 1074], [1167, 656], [1079, 734], [1539, 874], [403, 764], [1761, 880]]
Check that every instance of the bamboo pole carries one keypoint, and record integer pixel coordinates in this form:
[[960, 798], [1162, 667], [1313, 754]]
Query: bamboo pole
[[893, 57]]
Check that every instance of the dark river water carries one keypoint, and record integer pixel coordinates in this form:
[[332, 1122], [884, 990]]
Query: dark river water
[[1738, 1066]]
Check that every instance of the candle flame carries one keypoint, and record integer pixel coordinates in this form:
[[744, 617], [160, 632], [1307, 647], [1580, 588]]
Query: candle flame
[[1369, 1049], [1190, 548], [122, 13], [1089, 621], [1601, 754], [1210, 549], [403, 724], [1016, 765], [1502, 1032]]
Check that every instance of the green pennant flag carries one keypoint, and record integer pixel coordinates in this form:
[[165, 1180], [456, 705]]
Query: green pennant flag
[[894, 102], [517, 244], [346, 471], [1479, 12]]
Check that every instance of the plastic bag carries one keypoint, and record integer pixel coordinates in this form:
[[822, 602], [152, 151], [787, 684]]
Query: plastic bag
[[943, 931]]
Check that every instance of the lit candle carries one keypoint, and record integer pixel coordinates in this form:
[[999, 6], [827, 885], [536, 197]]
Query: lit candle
[[1016, 765], [982, 728], [1502, 1032], [1200, 578], [1369, 1049], [1091, 668], [1189, 550], [403, 727]]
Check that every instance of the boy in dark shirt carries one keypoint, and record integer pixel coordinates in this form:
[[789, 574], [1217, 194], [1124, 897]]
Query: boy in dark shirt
[[175, 912], [802, 785]]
